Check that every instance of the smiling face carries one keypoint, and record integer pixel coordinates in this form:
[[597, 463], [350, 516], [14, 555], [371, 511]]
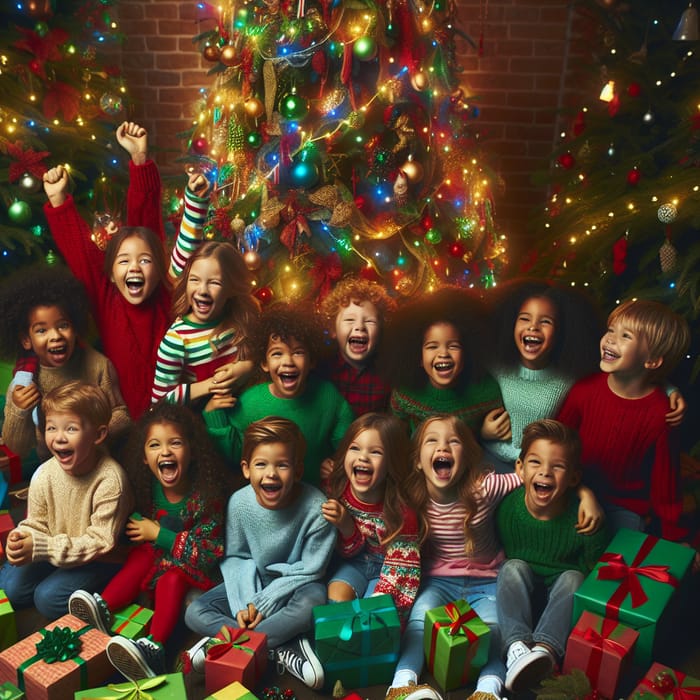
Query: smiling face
[[288, 364], [441, 460], [534, 332], [357, 332], [365, 466], [134, 273], [73, 441], [547, 476], [205, 292], [167, 454], [50, 335], [624, 352], [443, 355], [273, 474]]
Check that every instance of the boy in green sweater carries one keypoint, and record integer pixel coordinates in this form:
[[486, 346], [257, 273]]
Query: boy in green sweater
[[544, 550]]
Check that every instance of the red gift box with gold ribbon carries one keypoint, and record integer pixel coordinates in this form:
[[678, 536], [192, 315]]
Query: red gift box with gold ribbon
[[667, 684], [237, 654]]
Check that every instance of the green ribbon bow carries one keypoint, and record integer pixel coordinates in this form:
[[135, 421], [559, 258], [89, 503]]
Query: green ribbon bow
[[59, 644], [134, 690], [226, 640]]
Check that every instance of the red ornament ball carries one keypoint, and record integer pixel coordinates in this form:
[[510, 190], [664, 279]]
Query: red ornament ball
[[664, 682], [200, 145], [456, 249], [211, 53], [263, 295], [566, 160], [633, 176], [634, 89]]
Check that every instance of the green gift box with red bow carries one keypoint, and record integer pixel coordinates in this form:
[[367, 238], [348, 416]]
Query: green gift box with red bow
[[8, 625], [233, 691], [52, 664], [235, 654], [456, 642], [634, 582], [9, 691], [169, 686], [132, 622], [358, 641], [667, 684]]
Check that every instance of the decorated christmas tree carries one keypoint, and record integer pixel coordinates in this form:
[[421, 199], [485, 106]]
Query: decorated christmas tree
[[340, 140], [60, 99], [624, 213]]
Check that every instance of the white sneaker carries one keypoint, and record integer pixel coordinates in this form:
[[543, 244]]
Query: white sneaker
[[91, 609], [298, 658], [526, 667], [196, 654]]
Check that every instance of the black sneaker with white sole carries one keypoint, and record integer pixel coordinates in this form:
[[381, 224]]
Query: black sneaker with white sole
[[91, 609], [136, 659], [298, 658]]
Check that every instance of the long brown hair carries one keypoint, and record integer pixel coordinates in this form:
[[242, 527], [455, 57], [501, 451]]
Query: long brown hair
[[394, 437], [415, 486]]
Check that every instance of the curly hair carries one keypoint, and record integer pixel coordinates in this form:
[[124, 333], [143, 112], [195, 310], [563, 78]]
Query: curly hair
[[393, 434], [415, 485], [39, 285], [399, 355], [207, 474], [356, 290], [578, 327]]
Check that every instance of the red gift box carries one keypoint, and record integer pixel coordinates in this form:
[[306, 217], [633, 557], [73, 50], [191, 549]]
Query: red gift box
[[10, 463], [6, 527], [666, 683], [602, 648], [240, 655]]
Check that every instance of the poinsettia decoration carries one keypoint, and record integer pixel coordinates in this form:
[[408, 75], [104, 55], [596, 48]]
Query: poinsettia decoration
[[25, 161], [43, 48], [61, 97]]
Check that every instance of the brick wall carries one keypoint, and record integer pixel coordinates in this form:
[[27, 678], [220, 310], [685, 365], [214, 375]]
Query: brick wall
[[529, 68]]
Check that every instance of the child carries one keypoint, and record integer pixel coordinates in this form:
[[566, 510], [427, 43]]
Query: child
[[277, 548], [448, 378], [356, 310], [77, 505], [44, 311], [555, 332], [378, 534], [214, 312], [290, 341], [630, 455], [128, 283], [536, 524], [178, 543]]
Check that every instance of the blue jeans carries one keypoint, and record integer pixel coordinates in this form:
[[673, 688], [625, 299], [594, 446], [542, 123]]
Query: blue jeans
[[48, 587], [619, 517], [516, 585], [211, 610], [361, 573], [435, 591]]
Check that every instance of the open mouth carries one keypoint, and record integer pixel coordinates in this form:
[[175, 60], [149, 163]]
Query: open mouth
[[135, 284], [608, 355], [202, 306], [442, 466], [363, 475], [168, 470], [532, 343], [444, 367], [358, 344], [271, 488], [63, 455], [288, 379], [542, 488]]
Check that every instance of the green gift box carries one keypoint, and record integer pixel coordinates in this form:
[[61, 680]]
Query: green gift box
[[358, 641], [132, 622], [8, 691], [8, 625], [233, 691], [170, 686], [633, 582], [667, 684], [456, 642]]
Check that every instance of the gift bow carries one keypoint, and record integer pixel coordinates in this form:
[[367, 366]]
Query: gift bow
[[615, 568], [362, 617], [459, 621], [678, 693], [59, 644], [230, 640], [134, 690]]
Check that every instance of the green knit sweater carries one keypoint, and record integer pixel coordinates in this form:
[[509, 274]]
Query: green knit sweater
[[550, 547]]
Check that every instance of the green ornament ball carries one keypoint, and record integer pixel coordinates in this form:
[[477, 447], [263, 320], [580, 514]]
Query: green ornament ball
[[293, 106], [432, 235], [20, 212], [41, 28], [365, 48], [254, 139]]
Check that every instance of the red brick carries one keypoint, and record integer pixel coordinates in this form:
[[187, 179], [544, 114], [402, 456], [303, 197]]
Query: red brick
[[128, 11], [160, 78], [177, 95], [165, 10], [176, 61], [161, 44], [175, 27], [137, 61]]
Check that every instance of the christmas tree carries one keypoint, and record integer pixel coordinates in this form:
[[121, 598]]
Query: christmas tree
[[624, 214], [60, 100], [340, 140]]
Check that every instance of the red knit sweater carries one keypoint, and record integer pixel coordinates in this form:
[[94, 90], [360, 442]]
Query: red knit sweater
[[629, 452], [130, 333]]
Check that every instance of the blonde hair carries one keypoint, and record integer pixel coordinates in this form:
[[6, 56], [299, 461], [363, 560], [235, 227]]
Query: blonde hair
[[270, 430], [665, 332], [85, 400]]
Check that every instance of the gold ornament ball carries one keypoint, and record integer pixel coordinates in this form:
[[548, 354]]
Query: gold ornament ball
[[252, 260], [211, 53], [254, 108], [419, 81], [237, 226], [412, 170], [228, 55]]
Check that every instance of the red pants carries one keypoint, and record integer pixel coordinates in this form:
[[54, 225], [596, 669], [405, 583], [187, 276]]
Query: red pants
[[168, 596]]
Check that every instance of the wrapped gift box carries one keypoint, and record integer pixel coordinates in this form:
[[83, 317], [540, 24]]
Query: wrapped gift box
[[8, 625], [456, 642], [663, 682], [8, 691], [10, 464], [358, 641], [166, 687], [6, 526], [233, 691], [57, 661], [241, 656], [602, 649], [132, 622], [634, 582]]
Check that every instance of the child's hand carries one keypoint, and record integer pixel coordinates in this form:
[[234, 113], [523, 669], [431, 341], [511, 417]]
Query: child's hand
[[227, 375], [144, 530], [590, 514], [220, 401], [26, 397], [249, 618], [56, 185], [496, 425], [336, 514], [326, 468], [19, 547], [134, 140], [198, 184], [677, 405]]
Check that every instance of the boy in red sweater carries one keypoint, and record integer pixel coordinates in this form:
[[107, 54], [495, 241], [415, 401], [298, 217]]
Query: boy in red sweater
[[630, 454]]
